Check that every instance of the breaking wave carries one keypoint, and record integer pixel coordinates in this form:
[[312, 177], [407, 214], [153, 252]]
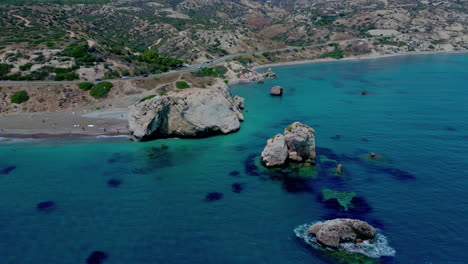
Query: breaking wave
[[378, 248]]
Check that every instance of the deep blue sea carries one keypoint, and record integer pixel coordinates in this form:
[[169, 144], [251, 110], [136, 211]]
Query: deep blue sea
[[158, 208]]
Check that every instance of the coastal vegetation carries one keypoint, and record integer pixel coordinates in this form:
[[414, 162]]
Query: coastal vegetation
[[100, 89], [182, 85], [85, 86], [19, 97], [217, 71], [147, 98]]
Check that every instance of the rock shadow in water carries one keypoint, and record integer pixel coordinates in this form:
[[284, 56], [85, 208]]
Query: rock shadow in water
[[159, 157], [7, 170], [213, 196], [97, 257]]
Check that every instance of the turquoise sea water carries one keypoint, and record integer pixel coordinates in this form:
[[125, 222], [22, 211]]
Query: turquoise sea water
[[415, 116]]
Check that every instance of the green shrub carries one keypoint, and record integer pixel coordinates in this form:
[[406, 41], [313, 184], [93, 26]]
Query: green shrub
[[26, 67], [85, 86], [5, 68], [66, 76], [19, 97], [147, 97], [182, 85], [101, 89]]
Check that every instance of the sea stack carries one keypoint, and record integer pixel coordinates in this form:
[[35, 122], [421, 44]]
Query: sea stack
[[192, 112], [276, 91], [297, 145], [333, 232]]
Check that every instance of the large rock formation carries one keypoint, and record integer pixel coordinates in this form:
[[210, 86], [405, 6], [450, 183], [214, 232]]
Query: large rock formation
[[333, 232], [189, 113], [297, 145]]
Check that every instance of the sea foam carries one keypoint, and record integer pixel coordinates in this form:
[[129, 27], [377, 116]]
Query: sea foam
[[378, 248]]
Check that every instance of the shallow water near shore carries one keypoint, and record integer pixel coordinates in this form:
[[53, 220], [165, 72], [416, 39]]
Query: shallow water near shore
[[205, 201]]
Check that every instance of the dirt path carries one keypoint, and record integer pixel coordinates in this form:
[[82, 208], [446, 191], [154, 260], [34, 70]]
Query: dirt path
[[27, 22], [72, 34]]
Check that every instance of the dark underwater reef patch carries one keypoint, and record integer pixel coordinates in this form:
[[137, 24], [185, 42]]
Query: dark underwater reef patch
[[114, 183], [297, 185], [395, 173], [96, 257], [213, 196], [46, 206], [234, 173], [336, 137], [368, 164], [238, 187], [249, 165], [7, 170]]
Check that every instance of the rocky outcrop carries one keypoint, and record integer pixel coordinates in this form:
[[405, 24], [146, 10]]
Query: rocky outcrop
[[269, 74], [333, 232], [299, 146], [275, 152], [276, 91], [189, 113], [239, 101]]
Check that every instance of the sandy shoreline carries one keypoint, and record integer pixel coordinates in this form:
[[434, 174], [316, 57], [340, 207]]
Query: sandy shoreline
[[111, 122], [352, 58]]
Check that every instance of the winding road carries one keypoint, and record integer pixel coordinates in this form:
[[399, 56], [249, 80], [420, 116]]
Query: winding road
[[192, 68]]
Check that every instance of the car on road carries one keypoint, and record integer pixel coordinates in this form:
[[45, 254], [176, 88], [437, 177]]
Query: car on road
[[98, 80], [146, 75], [208, 62], [125, 78]]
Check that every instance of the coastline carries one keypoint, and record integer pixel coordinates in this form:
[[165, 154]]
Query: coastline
[[113, 122], [352, 58]]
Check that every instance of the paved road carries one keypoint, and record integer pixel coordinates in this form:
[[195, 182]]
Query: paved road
[[186, 69]]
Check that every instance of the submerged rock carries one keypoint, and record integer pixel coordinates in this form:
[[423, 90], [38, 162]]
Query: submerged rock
[[276, 91], [341, 230], [343, 198], [296, 146], [189, 113]]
